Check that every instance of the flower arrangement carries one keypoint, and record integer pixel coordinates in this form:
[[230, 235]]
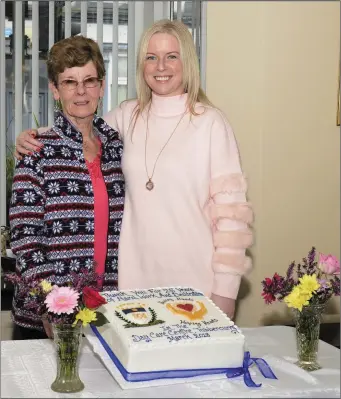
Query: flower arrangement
[[72, 304], [312, 282], [306, 288], [68, 308]]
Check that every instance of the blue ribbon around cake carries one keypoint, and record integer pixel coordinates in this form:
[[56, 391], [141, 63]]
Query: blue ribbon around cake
[[248, 361]]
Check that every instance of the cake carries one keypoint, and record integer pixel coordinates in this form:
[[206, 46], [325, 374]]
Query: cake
[[176, 331]]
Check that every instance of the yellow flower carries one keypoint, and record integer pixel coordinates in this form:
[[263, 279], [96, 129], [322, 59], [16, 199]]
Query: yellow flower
[[47, 287], [86, 316], [297, 298], [309, 284]]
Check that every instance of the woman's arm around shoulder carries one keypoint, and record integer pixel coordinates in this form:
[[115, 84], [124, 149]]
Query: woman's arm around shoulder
[[26, 142]]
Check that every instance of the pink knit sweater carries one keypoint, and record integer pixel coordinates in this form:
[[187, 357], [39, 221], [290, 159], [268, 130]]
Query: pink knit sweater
[[192, 228]]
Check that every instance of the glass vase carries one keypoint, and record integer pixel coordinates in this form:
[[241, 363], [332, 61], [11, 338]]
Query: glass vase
[[307, 324], [67, 340]]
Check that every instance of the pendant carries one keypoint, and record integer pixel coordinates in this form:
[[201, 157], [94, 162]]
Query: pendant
[[149, 185]]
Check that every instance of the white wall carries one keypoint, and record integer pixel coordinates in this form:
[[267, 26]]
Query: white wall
[[273, 68]]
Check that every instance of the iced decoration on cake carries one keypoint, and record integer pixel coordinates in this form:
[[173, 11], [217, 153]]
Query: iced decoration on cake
[[137, 315], [191, 310]]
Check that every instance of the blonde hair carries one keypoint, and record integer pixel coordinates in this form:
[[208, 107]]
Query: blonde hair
[[190, 63]]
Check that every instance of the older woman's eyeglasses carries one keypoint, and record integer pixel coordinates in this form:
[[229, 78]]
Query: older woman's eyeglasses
[[89, 83]]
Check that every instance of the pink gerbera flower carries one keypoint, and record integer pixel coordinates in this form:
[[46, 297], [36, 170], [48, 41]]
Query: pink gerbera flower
[[62, 300]]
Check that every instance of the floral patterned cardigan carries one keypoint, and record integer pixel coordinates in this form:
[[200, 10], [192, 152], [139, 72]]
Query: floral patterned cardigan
[[52, 210]]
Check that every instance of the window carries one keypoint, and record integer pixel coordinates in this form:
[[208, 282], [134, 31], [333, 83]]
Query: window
[[69, 17]]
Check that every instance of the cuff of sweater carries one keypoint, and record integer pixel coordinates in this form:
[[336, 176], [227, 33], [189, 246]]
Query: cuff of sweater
[[226, 285]]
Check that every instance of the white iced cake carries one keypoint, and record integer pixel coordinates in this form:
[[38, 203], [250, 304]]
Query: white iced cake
[[169, 329]]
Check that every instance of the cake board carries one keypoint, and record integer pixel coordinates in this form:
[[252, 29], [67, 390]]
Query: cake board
[[99, 350]]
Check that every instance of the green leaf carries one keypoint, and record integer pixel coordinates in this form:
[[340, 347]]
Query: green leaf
[[36, 120], [101, 320]]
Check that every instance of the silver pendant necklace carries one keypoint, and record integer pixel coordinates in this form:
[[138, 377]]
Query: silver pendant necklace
[[150, 184]]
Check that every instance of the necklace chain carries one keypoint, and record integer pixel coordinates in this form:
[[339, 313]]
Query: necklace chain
[[150, 184]]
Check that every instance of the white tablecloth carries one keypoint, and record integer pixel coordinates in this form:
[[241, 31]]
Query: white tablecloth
[[29, 367]]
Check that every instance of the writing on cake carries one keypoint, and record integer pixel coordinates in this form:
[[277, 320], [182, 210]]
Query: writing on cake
[[183, 331], [176, 293]]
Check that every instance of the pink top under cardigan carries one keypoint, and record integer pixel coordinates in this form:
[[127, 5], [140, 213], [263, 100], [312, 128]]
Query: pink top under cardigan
[[101, 211]]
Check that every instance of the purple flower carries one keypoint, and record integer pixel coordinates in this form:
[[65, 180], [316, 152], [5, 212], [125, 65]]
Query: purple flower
[[290, 270], [311, 256], [278, 287], [336, 285], [323, 283]]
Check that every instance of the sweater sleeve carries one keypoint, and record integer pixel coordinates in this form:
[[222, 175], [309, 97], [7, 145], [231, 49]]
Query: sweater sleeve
[[122, 117], [27, 217], [114, 119], [229, 211]]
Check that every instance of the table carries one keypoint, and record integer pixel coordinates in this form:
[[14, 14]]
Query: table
[[28, 369]]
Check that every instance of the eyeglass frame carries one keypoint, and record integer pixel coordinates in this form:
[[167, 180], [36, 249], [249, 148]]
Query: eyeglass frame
[[80, 82]]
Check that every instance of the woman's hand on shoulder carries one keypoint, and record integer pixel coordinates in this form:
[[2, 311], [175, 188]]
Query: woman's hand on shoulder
[[26, 143]]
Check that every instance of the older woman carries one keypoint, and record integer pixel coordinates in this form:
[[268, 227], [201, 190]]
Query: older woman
[[186, 214], [67, 201]]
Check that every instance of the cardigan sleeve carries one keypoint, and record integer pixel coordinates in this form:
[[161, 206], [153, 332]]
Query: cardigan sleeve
[[230, 213], [27, 216]]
